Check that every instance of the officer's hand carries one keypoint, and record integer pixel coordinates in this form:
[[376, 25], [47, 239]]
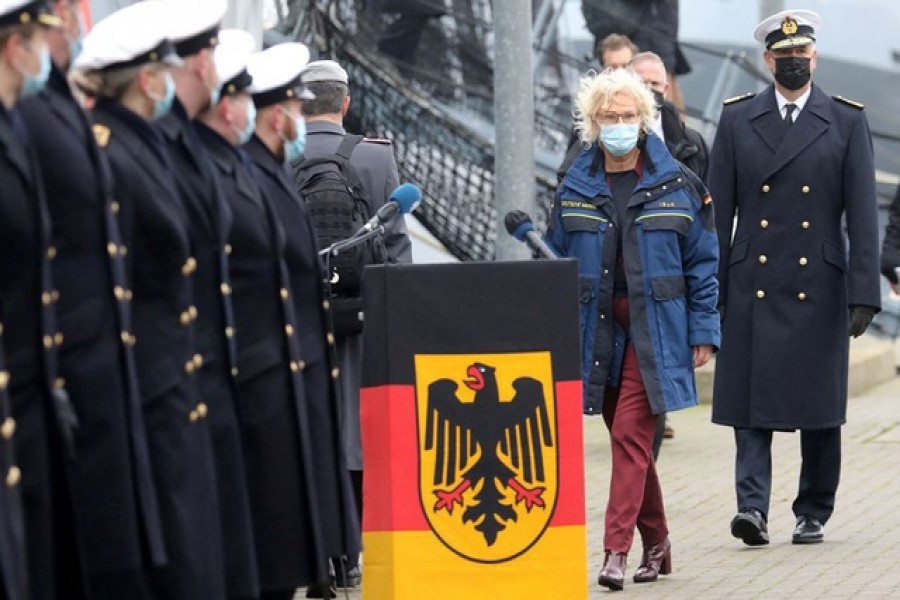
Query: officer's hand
[[860, 317], [702, 355]]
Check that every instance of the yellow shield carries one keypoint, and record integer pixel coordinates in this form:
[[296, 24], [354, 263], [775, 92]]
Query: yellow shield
[[488, 463]]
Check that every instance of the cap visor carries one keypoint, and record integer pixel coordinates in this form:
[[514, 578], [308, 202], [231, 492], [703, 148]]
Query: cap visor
[[792, 42]]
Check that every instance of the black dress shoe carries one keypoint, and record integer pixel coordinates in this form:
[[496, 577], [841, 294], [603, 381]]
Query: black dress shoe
[[352, 579], [321, 590], [808, 531], [749, 525]]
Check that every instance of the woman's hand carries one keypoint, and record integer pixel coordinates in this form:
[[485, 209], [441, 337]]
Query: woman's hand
[[702, 355]]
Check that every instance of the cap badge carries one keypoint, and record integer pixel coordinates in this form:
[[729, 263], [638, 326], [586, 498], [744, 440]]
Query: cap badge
[[788, 26]]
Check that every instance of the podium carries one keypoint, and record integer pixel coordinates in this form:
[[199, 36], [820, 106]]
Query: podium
[[472, 432]]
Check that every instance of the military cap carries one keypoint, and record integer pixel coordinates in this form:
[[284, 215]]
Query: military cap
[[276, 74], [235, 47], [130, 37], [324, 70], [787, 29], [22, 12], [197, 25]]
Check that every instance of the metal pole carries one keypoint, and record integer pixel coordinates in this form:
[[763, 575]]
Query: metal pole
[[513, 118]]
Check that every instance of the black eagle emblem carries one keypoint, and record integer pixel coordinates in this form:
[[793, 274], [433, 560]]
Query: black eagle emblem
[[517, 429]]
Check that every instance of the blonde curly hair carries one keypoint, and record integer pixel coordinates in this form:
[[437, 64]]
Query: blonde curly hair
[[596, 93]]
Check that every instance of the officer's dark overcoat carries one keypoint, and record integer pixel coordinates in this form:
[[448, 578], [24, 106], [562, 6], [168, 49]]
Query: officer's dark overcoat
[[788, 277], [113, 497], [333, 492], [157, 248], [274, 422], [209, 223]]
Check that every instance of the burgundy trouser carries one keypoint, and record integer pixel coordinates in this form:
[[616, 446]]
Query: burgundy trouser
[[635, 497]]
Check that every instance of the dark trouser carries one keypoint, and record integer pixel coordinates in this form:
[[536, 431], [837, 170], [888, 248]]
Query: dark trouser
[[635, 497], [819, 474]]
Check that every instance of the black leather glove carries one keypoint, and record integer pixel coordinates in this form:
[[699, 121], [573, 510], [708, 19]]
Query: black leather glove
[[860, 317]]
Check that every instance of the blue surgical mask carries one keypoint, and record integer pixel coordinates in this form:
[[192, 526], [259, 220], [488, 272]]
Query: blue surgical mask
[[620, 138], [34, 84], [245, 135], [293, 149], [164, 104]]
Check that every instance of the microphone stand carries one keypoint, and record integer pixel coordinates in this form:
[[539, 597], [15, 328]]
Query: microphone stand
[[354, 240]]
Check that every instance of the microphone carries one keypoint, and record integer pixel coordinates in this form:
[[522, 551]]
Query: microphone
[[403, 200], [519, 225]]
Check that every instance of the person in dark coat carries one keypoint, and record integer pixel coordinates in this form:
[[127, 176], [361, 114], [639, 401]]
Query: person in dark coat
[[114, 502], [124, 66], [195, 34], [373, 162], [890, 247], [280, 136], [38, 419], [790, 163]]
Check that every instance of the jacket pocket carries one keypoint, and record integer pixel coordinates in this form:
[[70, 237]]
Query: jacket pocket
[[578, 222], [671, 319], [739, 251], [666, 221], [834, 256]]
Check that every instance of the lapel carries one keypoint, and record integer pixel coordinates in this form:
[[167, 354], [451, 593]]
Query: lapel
[[225, 158], [765, 119], [269, 165], [14, 151], [813, 121]]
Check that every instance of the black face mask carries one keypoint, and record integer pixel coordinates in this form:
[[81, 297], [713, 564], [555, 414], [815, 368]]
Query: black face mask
[[792, 71], [659, 97]]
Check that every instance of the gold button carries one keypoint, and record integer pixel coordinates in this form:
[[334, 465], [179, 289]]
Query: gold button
[[763, 259], [60, 383], [128, 339], [760, 294], [330, 338], [803, 261], [801, 296], [13, 476], [202, 410], [114, 207], [234, 371], [198, 360], [118, 292], [51, 253], [48, 342], [294, 367], [805, 224], [46, 298], [185, 318], [764, 223], [192, 311], [225, 288], [193, 417], [285, 294], [189, 266], [111, 249], [229, 332], [228, 249], [58, 339], [766, 188], [289, 330], [805, 189], [326, 305], [1, 328], [4, 380], [335, 372], [8, 429], [189, 367]]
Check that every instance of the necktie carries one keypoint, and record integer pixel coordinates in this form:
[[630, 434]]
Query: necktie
[[788, 112]]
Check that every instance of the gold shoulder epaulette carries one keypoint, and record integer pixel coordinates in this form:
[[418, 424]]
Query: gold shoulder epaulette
[[849, 102], [382, 141], [101, 134], [739, 98]]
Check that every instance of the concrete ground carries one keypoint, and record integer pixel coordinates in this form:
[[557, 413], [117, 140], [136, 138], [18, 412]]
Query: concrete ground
[[857, 560]]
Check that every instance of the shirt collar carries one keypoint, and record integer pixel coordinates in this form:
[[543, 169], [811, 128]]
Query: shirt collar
[[799, 102]]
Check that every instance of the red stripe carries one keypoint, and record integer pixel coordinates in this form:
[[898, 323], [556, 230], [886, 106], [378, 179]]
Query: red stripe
[[390, 449]]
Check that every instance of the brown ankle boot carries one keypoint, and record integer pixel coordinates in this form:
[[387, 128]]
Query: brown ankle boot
[[657, 560], [612, 575]]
